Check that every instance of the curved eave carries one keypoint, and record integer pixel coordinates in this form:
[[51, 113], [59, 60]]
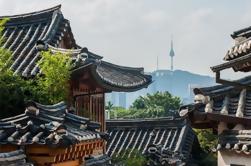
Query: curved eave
[[137, 69], [242, 32], [52, 9], [113, 86]]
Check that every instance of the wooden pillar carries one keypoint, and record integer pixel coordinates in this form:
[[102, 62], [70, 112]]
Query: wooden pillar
[[99, 109], [103, 113], [90, 107], [94, 108]]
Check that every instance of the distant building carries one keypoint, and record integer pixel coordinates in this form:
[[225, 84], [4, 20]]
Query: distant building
[[179, 83]]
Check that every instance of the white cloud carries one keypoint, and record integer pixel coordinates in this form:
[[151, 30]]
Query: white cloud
[[156, 17]]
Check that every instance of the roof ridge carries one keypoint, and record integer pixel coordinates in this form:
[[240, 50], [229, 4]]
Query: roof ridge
[[141, 69], [54, 23], [240, 32], [177, 122], [52, 9], [168, 118], [64, 50]]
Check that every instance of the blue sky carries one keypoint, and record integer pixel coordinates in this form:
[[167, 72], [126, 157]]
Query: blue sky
[[135, 32]]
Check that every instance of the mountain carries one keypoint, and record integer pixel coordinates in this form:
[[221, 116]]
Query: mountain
[[179, 83]]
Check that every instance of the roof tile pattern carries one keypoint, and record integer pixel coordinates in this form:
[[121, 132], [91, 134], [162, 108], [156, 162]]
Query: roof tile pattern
[[123, 76], [225, 100], [241, 48], [14, 158], [128, 136], [226, 104], [23, 31], [26, 33], [237, 140], [51, 125], [110, 76], [238, 50]]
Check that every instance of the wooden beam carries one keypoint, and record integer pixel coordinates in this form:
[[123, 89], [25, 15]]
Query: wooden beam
[[40, 149], [7, 148], [230, 83]]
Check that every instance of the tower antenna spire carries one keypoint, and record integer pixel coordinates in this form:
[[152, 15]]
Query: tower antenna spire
[[171, 53]]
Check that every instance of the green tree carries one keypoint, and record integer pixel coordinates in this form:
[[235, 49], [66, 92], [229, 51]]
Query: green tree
[[208, 143], [12, 87], [109, 107], [50, 87], [207, 139], [53, 84], [158, 104], [139, 103]]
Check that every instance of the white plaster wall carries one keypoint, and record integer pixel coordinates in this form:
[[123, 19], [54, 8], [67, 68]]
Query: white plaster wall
[[225, 158]]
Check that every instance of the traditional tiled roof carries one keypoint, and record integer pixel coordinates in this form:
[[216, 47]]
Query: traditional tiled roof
[[227, 104], [118, 78], [241, 48], [236, 140], [242, 45], [221, 103], [48, 125], [109, 76], [27, 34], [244, 32], [23, 31], [163, 139], [14, 158]]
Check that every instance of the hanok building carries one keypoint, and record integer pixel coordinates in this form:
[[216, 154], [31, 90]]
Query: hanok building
[[226, 108], [164, 141], [51, 135], [26, 35]]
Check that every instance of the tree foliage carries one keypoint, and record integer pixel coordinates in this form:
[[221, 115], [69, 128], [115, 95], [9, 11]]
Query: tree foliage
[[207, 139], [208, 142], [48, 88], [160, 104], [12, 94], [11, 86], [53, 85]]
